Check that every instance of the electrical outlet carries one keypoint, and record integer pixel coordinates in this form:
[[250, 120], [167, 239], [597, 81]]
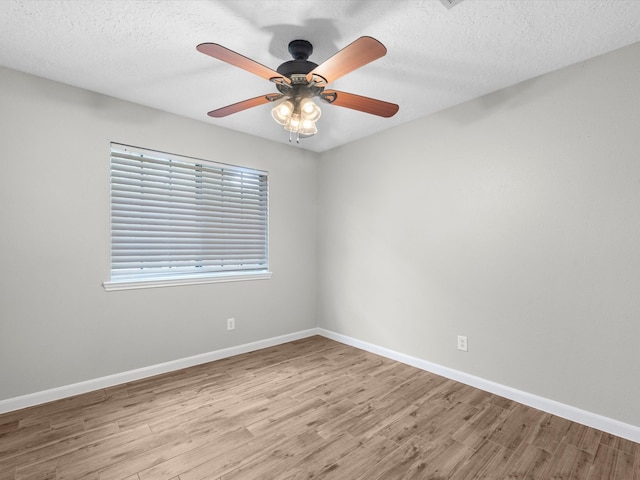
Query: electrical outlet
[[462, 343], [231, 323]]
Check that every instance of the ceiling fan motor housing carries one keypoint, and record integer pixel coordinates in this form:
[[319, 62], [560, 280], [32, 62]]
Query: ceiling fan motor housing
[[297, 69], [300, 50]]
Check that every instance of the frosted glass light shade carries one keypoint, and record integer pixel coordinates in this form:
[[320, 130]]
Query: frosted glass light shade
[[293, 123], [282, 112], [307, 127], [309, 110]]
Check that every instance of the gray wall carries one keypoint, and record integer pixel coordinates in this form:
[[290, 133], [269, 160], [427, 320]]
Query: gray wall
[[58, 326], [513, 219]]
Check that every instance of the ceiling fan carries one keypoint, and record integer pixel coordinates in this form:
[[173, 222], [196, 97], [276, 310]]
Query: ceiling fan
[[298, 81]]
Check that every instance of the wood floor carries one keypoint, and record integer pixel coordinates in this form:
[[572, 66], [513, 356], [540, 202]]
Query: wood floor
[[310, 409]]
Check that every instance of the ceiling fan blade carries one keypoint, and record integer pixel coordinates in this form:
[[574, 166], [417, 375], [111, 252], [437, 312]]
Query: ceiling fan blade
[[222, 53], [244, 105], [354, 55], [360, 103]]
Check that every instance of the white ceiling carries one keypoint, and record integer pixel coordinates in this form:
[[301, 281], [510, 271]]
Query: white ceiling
[[144, 51]]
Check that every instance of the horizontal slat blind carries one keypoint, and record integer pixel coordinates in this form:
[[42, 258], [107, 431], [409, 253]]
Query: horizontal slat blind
[[175, 216]]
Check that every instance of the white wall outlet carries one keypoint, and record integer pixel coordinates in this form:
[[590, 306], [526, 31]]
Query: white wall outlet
[[231, 323], [462, 343]]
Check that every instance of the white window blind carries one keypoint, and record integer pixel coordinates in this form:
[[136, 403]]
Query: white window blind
[[176, 219]]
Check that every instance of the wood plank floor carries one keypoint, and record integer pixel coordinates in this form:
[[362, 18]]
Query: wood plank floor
[[310, 409]]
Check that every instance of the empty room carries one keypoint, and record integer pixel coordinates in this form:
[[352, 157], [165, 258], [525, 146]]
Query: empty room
[[295, 239]]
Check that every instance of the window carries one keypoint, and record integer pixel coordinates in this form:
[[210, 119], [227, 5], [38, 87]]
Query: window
[[178, 220]]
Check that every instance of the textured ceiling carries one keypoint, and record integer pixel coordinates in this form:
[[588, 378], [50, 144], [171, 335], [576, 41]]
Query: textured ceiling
[[144, 51]]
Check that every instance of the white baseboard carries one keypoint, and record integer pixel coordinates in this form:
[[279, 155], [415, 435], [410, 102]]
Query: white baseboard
[[58, 393], [605, 424], [609, 425]]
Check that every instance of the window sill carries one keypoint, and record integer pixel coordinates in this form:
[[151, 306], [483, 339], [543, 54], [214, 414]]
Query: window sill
[[135, 284]]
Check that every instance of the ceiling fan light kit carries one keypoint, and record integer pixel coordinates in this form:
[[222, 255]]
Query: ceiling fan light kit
[[299, 81], [298, 116]]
